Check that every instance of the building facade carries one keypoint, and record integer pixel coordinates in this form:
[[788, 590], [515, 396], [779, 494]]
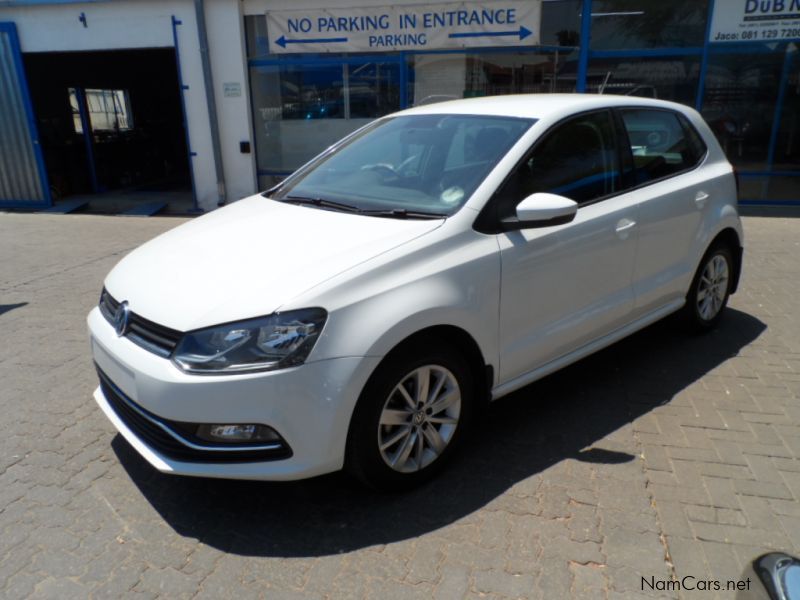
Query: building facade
[[221, 98]]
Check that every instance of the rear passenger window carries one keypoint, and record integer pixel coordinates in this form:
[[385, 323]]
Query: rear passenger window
[[662, 144]]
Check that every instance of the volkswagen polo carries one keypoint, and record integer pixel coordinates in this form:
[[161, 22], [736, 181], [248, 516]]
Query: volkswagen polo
[[360, 313]]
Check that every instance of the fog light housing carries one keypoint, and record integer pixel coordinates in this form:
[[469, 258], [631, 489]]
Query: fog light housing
[[234, 433]]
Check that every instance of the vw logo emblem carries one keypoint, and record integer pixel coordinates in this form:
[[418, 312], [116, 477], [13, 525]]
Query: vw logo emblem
[[121, 316]]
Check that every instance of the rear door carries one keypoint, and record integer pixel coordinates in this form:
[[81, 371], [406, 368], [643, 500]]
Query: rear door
[[674, 194]]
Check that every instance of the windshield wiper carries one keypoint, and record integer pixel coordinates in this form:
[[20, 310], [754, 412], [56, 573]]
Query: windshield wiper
[[402, 213], [322, 203]]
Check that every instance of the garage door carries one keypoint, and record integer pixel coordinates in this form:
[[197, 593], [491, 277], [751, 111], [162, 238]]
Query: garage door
[[23, 183]]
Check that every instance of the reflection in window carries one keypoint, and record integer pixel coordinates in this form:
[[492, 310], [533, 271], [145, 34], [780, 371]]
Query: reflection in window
[[664, 78], [561, 23], [618, 24], [299, 110], [108, 110], [659, 144], [449, 76], [255, 30], [373, 89], [741, 91]]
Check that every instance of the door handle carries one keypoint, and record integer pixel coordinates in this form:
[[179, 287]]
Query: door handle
[[700, 199], [624, 227]]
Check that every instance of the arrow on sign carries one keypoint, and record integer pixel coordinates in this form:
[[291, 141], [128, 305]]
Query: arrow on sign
[[282, 41], [523, 32]]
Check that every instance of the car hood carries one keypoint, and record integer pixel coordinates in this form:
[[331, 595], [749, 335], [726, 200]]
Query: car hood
[[248, 259]]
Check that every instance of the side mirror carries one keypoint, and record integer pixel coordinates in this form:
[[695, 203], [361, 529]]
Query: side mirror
[[542, 210]]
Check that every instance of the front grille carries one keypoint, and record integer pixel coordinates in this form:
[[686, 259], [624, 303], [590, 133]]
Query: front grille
[[150, 336], [152, 430], [108, 306]]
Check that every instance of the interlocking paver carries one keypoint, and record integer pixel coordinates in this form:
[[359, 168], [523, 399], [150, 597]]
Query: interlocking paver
[[662, 456]]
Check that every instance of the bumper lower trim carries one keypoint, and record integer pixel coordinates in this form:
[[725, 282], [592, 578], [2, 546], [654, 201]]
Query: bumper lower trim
[[168, 437]]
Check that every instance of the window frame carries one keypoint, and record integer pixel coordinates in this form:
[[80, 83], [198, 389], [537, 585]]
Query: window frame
[[683, 121], [490, 221]]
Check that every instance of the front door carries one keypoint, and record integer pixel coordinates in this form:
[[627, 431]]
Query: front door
[[565, 285]]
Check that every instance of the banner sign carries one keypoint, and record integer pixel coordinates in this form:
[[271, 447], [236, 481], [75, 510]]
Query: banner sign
[[755, 21], [417, 27]]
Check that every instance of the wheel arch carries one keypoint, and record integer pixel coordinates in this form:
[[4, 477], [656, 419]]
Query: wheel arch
[[459, 340], [452, 337]]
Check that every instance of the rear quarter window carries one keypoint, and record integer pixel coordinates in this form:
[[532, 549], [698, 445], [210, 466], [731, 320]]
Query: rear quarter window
[[663, 143]]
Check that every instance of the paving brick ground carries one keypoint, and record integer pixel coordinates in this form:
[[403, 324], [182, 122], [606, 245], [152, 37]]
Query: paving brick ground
[[662, 456]]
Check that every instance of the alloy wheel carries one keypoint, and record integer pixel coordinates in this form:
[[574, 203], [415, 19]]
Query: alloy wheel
[[713, 287], [419, 418]]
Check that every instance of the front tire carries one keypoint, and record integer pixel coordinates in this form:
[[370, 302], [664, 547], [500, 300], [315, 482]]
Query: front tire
[[411, 417], [710, 289]]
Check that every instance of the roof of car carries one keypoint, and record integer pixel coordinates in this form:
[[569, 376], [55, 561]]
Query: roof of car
[[536, 106]]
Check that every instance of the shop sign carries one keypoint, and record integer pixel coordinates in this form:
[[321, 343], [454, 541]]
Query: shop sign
[[755, 20], [417, 27]]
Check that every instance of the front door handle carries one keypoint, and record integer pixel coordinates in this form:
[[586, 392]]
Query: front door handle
[[700, 199], [624, 227]]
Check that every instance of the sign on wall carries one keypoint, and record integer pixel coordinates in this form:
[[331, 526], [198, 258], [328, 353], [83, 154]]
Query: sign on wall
[[232, 89], [419, 27], [755, 20]]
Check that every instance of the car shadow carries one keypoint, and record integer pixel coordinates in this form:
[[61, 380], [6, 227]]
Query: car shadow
[[4, 308], [554, 419]]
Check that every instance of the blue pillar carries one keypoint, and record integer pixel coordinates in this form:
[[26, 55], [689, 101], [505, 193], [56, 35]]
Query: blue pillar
[[701, 84], [583, 52], [86, 125]]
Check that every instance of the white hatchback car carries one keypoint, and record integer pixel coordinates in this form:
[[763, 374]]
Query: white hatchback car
[[359, 314]]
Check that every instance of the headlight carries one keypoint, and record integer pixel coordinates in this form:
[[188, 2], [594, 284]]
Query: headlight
[[274, 342]]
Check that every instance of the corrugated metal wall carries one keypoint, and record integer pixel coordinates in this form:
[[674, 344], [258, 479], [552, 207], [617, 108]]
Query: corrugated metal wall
[[20, 178]]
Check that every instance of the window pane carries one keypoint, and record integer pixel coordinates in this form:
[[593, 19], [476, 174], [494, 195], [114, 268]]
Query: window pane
[[299, 110], [108, 110], [783, 188], [561, 23], [786, 156], [75, 109], [578, 160], [419, 162], [373, 89], [255, 29], [696, 146], [450, 76], [773, 188], [665, 78], [627, 24], [741, 92], [658, 144]]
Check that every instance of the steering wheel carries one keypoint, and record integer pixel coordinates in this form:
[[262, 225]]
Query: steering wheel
[[384, 169], [406, 163]]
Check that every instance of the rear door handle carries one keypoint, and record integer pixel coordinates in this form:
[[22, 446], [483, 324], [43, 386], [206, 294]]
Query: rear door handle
[[624, 227], [700, 199]]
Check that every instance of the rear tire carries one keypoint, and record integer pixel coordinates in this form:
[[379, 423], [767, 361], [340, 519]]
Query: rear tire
[[411, 417], [710, 289]]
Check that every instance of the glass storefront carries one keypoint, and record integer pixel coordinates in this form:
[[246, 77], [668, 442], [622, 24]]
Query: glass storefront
[[301, 109], [638, 24], [749, 92]]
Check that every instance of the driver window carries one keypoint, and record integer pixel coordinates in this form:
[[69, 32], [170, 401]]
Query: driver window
[[577, 160]]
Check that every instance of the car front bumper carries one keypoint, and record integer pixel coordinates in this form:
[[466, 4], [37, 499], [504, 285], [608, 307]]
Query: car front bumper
[[309, 406]]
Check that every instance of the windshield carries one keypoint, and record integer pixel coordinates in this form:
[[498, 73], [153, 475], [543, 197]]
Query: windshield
[[423, 164]]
